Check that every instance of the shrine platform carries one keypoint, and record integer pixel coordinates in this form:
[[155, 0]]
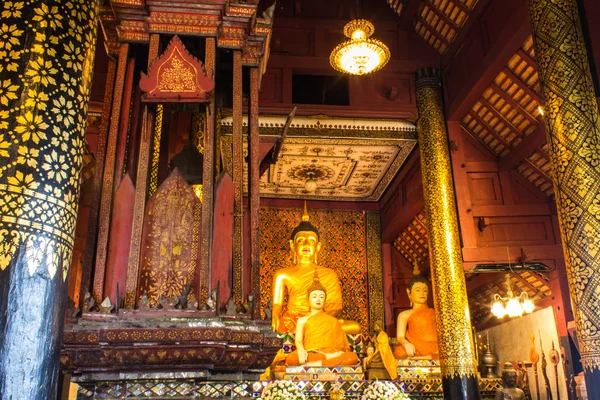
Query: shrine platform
[[155, 389]]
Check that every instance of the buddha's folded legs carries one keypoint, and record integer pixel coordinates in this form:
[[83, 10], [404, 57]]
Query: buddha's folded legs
[[320, 360]]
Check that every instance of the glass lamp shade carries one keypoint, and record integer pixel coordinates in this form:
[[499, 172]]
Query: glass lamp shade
[[513, 308], [528, 305], [360, 55], [498, 309], [310, 185]]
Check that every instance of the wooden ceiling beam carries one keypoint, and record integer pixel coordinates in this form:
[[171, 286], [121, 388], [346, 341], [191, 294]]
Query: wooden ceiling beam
[[409, 14], [433, 32], [461, 6], [519, 82], [541, 173], [501, 117], [527, 58], [488, 128], [523, 149], [507, 41], [440, 14], [511, 102]]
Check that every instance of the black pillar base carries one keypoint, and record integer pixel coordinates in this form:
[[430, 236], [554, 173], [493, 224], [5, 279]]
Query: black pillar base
[[463, 387], [592, 383]]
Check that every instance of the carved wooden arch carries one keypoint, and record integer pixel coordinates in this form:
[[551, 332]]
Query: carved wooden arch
[[176, 76]]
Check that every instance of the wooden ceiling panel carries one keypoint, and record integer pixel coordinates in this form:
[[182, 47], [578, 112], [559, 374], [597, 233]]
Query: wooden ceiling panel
[[413, 243], [439, 22]]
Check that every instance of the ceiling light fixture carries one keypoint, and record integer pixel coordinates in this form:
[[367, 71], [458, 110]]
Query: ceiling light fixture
[[311, 183], [511, 305], [360, 55]]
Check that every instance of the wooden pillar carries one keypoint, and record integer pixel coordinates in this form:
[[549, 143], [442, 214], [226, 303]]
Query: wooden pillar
[[238, 167], [455, 339], [42, 138], [108, 176], [153, 50], [92, 230], [141, 188], [573, 128], [254, 189], [208, 181]]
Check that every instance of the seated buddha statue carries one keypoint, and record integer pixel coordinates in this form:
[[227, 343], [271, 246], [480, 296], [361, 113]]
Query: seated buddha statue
[[295, 280], [416, 328], [320, 339]]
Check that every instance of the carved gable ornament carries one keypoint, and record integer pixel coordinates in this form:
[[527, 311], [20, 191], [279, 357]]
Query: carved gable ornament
[[176, 76]]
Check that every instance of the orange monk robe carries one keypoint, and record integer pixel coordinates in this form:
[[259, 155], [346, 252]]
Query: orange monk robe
[[421, 332], [324, 334], [387, 357], [297, 302]]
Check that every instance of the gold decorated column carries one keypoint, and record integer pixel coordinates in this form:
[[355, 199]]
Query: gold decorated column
[[154, 48], [238, 182], [47, 49], [573, 126], [457, 355]]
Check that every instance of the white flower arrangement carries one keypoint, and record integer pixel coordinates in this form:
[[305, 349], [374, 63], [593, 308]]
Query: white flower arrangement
[[282, 390], [383, 390]]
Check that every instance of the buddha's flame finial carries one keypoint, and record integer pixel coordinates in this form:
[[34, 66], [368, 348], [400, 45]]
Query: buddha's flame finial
[[416, 268], [305, 216]]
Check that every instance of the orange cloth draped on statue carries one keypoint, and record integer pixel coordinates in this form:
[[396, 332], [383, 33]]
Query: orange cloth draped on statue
[[387, 357], [421, 332], [323, 334], [297, 302]]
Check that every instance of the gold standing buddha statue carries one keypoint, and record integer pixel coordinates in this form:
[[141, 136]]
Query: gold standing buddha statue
[[295, 281]]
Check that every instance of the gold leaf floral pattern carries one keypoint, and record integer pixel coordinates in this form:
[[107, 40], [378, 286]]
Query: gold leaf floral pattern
[[46, 60], [573, 125]]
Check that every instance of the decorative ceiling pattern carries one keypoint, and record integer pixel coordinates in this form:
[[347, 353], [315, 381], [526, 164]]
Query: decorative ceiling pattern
[[508, 112], [413, 243], [534, 284], [351, 159], [440, 21]]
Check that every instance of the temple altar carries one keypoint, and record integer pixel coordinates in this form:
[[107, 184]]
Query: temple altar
[[226, 199]]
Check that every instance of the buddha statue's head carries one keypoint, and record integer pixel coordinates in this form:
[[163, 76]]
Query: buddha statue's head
[[509, 376], [418, 290], [378, 326], [317, 294], [304, 242]]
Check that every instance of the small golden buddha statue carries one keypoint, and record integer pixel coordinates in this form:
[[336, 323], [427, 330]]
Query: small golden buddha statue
[[295, 281], [416, 328], [382, 356], [320, 339]]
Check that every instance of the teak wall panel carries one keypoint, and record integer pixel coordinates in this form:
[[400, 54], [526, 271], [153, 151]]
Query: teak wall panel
[[374, 90], [517, 231], [485, 188], [293, 41], [271, 86]]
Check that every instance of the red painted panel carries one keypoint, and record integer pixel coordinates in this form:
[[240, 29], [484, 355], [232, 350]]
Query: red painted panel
[[485, 189], [271, 86], [120, 240], [293, 41], [222, 251], [517, 231]]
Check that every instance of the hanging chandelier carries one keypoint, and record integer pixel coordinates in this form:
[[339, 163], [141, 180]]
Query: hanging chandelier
[[360, 55], [511, 305]]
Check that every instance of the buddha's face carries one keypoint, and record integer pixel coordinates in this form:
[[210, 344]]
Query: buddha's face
[[510, 378], [306, 245], [418, 293], [316, 300]]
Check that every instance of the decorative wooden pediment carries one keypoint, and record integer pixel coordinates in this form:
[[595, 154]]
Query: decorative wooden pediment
[[176, 76]]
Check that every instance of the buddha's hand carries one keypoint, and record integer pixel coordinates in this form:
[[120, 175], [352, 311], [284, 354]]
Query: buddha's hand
[[410, 348], [302, 356]]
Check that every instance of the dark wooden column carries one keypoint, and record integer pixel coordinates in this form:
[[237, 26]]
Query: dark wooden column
[[573, 126], [44, 103], [455, 339], [238, 167], [208, 181], [253, 189]]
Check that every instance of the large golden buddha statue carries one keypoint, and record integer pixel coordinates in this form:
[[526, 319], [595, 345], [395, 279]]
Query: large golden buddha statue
[[320, 339], [416, 328], [295, 281]]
